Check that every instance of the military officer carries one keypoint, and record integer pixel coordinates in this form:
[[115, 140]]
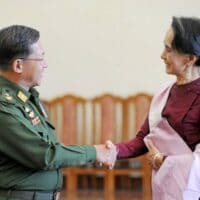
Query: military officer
[[30, 154]]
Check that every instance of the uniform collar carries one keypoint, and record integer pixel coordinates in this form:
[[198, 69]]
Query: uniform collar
[[34, 92], [18, 92]]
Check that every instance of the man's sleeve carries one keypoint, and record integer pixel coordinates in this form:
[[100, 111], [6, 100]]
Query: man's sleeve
[[25, 146]]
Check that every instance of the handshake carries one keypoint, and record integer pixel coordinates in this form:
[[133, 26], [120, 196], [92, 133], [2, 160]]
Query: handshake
[[106, 154]]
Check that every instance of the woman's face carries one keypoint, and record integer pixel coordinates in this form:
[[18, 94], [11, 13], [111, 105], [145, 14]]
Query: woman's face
[[176, 63]]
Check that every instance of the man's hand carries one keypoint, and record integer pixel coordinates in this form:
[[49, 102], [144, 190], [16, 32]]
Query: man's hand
[[106, 156]]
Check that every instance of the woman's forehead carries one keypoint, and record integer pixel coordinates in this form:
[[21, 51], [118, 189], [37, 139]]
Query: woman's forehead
[[169, 36]]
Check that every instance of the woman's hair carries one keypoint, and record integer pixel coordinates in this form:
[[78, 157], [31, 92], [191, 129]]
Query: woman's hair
[[15, 42], [186, 36]]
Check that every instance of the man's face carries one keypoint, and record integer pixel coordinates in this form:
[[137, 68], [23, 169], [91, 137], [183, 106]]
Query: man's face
[[34, 65]]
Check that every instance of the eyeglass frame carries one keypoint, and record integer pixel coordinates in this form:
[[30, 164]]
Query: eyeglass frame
[[33, 59]]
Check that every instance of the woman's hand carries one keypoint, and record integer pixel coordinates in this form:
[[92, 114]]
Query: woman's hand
[[155, 158]]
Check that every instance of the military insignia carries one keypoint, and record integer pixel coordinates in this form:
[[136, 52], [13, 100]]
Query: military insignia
[[31, 114], [8, 97], [27, 109], [22, 96], [35, 121]]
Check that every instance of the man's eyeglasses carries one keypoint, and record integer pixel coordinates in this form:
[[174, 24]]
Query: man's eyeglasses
[[33, 59]]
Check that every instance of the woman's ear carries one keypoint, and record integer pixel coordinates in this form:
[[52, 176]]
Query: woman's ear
[[17, 66], [192, 60]]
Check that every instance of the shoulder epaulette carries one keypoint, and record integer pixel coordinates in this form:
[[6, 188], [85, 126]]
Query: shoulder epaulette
[[6, 96]]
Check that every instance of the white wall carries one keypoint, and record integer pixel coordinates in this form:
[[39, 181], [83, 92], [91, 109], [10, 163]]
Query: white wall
[[96, 46]]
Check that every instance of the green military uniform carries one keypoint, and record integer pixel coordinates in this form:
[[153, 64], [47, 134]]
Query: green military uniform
[[30, 154]]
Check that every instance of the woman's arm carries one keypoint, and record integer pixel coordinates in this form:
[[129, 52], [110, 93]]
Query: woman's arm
[[136, 146]]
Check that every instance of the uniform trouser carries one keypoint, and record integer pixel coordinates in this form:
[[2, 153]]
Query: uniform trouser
[[27, 195]]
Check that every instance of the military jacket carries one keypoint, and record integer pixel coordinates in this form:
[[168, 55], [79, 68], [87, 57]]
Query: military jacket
[[30, 154]]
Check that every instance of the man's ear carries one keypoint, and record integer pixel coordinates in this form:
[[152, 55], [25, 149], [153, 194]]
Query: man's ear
[[17, 66]]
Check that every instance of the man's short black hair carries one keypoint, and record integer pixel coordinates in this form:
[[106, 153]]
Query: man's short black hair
[[15, 42]]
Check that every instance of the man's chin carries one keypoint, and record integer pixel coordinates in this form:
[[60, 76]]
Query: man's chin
[[36, 84]]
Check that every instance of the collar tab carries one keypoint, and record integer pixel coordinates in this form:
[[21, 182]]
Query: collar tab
[[23, 97]]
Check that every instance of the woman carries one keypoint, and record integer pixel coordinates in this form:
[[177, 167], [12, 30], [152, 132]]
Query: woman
[[178, 116]]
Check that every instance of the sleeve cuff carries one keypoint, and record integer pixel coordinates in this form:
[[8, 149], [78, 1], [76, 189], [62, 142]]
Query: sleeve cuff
[[90, 153]]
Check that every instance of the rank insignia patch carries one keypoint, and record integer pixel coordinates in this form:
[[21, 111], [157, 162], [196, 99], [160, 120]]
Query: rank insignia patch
[[22, 96]]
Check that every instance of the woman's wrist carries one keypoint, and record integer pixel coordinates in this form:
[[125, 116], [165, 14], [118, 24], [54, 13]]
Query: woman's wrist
[[158, 159]]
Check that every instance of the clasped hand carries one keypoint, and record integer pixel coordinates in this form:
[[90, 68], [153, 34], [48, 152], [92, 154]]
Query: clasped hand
[[106, 154], [154, 156]]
